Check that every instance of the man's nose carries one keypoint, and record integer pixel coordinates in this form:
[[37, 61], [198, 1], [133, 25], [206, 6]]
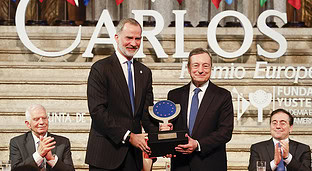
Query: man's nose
[[41, 120], [200, 69], [133, 42]]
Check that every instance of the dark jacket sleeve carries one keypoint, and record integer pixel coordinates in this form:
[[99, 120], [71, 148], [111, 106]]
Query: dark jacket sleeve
[[98, 102], [64, 162], [301, 160], [16, 156]]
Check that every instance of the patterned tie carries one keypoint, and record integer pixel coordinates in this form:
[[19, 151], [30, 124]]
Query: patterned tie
[[280, 166], [130, 86], [194, 109], [43, 164]]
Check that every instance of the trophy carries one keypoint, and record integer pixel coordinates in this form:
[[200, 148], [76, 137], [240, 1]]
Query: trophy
[[164, 142]]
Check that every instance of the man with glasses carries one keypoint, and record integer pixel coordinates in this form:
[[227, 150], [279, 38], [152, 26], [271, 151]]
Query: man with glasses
[[280, 152], [38, 149]]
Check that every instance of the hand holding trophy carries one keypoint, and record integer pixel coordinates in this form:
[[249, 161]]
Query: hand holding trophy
[[164, 142]]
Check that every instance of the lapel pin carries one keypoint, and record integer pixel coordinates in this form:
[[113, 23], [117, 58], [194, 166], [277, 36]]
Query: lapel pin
[[141, 72]]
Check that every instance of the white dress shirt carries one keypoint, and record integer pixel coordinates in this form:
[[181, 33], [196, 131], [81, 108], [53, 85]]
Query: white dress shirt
[[287, 161], [123, 62], [201, 94], [38, 159]]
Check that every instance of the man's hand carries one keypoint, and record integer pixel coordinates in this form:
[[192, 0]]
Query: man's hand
[[170, 156], [138, 141], [277, 154], [46, 145], [49, 156], [285, 148], [165, 127], [187, 148]]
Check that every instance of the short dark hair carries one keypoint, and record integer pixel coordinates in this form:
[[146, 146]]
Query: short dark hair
[[122, 23], [291, 118], [197, 51]]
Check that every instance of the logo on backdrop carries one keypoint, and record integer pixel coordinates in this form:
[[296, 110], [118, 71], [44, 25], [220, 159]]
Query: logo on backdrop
[[297, 100]]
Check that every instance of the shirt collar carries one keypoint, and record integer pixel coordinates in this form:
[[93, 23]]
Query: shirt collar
[[202, 88], [275, 141], [36, 139], [121, 58]]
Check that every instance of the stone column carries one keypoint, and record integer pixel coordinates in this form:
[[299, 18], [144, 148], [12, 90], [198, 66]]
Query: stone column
[[127, 6], [165, 7], [192, 11], [203, 12], [95, 8], [279, 5]]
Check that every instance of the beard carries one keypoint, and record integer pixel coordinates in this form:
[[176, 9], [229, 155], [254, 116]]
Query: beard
[[125, 52]]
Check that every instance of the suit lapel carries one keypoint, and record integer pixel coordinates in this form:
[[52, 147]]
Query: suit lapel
[[138, 77], [120, 78], [270, 148], [292, 147], [207, 99], [184, 102], [30, 144], [54, 149]]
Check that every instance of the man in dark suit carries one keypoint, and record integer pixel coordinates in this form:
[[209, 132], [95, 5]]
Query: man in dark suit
[[294, 155], [209, 121], [39, 149], [119, 93]]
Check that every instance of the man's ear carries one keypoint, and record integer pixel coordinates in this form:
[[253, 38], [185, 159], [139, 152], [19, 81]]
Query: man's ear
[[116, 37], [28, 124], [189, 69], [291, 128]]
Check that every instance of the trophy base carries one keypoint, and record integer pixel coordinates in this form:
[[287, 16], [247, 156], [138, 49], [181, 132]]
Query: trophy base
[[164, 142]]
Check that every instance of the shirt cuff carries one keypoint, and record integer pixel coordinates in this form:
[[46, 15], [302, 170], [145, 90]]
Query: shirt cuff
[[38, 159], [53, 162], [272, 164], [288, 160], [125, 137], [198, 146]]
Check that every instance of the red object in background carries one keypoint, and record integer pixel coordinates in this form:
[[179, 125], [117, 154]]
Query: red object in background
[[295, 3], [72, 2], [41, 1], [119, 2], [216, 3], [180, 1]]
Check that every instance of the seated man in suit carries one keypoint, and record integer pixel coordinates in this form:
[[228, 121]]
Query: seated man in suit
[[280, 151], [38, 148]]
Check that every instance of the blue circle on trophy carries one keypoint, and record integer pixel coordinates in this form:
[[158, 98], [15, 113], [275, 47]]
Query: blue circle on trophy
[[164, 110]]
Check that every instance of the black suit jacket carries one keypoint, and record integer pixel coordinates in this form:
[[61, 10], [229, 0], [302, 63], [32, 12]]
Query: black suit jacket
[[110, 110], [213, 128], [22, 148], [301, 155]]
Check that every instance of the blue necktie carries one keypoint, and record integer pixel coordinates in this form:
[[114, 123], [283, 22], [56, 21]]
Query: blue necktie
[[280, 166], [130, 86], [194, 109]]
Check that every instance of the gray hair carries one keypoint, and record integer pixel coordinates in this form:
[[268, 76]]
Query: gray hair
[[198, 51], [122, 23], [32, 108]]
